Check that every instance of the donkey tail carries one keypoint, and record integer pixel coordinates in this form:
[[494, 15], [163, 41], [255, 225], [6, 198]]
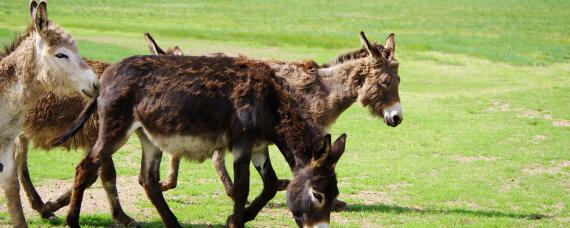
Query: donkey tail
[[77, 124]]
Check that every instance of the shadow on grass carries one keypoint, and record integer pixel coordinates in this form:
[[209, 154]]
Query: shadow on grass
[[479, 213]]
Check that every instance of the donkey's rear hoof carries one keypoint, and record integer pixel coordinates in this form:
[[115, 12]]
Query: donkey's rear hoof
[[50, 216]]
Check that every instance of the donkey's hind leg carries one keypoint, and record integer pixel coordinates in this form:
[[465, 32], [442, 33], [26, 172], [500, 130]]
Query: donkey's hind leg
[[110, 137], [172, 180], [219, 161], [150, 177], [109, 181], [9, 182], [34, 198], [263, 166]]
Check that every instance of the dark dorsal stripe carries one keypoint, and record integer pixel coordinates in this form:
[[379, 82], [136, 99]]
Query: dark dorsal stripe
[[18, 39]]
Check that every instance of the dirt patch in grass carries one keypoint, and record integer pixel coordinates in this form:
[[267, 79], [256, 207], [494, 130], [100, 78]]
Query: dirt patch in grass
[[95, 198], [501, 106], [372, 197], [468, 159], [508, 185], [549, 170], [561, 123], [538, 138]]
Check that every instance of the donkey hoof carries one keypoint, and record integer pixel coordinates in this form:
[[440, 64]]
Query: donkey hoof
[[49, 215], [233, 223], [126, 221], [166, 186], [134, 224]]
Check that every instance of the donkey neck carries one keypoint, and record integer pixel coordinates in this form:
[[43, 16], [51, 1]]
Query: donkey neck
[[342, 82], [18, 84]]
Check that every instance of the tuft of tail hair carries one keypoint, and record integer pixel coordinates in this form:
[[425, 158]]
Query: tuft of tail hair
[[77, 124]]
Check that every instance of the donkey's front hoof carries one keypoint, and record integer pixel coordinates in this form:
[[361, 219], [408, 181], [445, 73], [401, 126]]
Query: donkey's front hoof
[[233, 222]]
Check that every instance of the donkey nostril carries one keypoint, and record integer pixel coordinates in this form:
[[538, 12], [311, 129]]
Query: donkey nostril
[[396, 119]]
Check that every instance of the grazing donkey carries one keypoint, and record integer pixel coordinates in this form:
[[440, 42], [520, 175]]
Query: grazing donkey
[[368, 75], [49, 118], [193, 105], [43, 59]]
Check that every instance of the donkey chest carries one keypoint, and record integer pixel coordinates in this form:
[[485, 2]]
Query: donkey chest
[[196, 148]]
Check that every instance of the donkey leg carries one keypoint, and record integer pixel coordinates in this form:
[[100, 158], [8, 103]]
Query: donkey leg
[[263, 166], [9, 182], [109, 180], [242, 157], [150, 173], [172, 180], [219, 161], [34, 198]]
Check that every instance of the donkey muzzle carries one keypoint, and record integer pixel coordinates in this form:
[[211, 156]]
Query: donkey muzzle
[[393, 115]]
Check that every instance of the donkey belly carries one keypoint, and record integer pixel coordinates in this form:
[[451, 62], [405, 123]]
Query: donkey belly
[[195, 148]]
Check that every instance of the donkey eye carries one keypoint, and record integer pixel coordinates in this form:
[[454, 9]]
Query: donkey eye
[[61, 56], [319, 196]]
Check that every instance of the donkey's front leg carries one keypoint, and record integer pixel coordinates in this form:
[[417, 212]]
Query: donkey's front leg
[[34, 197], [9, 182], [242, 156], [150, 176], [263, 166]]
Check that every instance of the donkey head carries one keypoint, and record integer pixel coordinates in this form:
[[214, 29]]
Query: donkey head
[[156, 50], [380, 88], [311, 193], [60, 67]]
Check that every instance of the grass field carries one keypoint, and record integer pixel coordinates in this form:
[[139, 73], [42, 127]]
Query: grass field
[[485, 87]]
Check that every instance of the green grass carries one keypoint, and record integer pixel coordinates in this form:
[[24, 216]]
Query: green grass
[[482, 85]]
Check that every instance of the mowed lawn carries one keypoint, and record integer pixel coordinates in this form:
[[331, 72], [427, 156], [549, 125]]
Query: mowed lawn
[[485, 88]]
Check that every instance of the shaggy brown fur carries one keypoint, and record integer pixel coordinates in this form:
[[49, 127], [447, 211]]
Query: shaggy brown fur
[[326, 96], [223, 102], [50, 117]]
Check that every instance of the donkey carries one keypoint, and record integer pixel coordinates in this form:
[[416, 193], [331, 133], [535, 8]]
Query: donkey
[[368, 75], [49, 118], [45, 58], [193, 105]]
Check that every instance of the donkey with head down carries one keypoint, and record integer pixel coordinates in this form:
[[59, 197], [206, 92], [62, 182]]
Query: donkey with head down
[[368, 75], [44, 59], [49, 118], [191, 106]]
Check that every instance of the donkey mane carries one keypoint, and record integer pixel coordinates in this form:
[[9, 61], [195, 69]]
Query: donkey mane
[[351, 55], [16, 41]]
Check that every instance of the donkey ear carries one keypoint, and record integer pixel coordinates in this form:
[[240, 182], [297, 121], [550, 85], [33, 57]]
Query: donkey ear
[[366, 44], [153, 46], [40, 17], [338, 148], [391, 44], [177, 51], [321, 154], [33, 5]]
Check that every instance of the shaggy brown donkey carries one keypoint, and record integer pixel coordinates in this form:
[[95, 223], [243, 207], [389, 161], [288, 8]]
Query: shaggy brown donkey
[[50, 117], [368, 75], [192, 106]]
